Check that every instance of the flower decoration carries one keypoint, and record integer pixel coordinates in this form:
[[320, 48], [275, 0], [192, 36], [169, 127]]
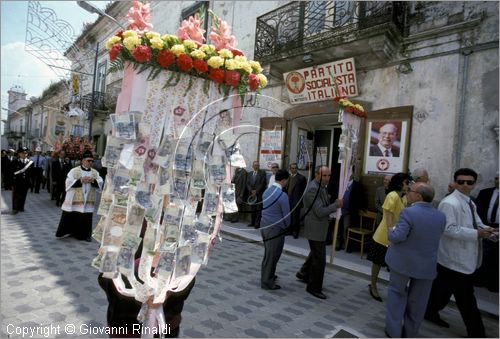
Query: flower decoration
[[191, 30], [349, 107], [186, 52], [138, 17]]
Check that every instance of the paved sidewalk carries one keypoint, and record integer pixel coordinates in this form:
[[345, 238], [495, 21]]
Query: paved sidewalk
[[48, 282], [349, 262]]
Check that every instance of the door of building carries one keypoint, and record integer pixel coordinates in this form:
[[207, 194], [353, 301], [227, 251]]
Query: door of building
[[326, 153]]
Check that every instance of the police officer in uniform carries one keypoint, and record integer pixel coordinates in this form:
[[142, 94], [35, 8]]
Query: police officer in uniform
[[21, 171]]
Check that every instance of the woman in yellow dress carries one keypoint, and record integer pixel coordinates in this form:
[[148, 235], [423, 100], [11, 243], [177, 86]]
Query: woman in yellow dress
[[393, 204]]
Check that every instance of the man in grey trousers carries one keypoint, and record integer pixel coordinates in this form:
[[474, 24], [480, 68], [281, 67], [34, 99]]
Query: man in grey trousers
[[274, 224], [412, 258], [317, 208]]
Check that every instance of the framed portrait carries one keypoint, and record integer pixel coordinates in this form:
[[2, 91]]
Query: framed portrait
[[387, 138], [304, 150]]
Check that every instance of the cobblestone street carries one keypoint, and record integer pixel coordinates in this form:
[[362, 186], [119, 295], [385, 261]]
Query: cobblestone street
[[45, 281]]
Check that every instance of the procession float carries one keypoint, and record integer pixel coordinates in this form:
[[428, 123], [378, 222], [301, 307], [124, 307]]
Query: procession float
[[169, 154]]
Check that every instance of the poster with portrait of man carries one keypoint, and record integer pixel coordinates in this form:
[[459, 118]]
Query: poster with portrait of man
[[387, 141]]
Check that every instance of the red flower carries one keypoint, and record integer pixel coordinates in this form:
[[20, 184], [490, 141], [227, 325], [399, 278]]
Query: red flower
[[165, 58], [253, 81], [235, 51], [233, 78], [216, 75], [200, 65], [142, 53], [114, 52], [184, 62], [120, 33]]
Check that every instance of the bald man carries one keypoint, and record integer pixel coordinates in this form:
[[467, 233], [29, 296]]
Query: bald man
[[386, 138], [412, 258]]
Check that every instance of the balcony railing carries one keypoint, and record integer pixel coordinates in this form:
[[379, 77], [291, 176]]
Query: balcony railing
[[305, 23], [99, 101], [14, 134]]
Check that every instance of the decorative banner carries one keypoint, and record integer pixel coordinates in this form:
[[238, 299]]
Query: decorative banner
[[322, 82], [270, 148], [348, 146]]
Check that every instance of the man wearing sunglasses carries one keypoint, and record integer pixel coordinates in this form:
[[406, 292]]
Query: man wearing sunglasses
[[459, 255]]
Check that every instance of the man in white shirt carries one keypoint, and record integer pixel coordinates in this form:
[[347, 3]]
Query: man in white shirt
[[274, 169], [459, 255], [386, 138]]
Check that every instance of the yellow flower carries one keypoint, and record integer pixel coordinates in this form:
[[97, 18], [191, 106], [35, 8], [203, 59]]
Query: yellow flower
[[129, 33], [113, 40], [262, 79], [178, 50], [359, 107], [232, 64], [241, 58], [208, 49], [197, 54], [131, 42], [246, 67], [189, 44], [256, 66], [225, 53], [344, 102], [152, 35], [215, 62], [170, 39], [157, 43]]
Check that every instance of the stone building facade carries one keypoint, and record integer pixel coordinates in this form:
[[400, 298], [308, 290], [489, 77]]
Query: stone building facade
[[441, 58]]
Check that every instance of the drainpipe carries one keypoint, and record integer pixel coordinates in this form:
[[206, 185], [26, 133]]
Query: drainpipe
[[461, 110]]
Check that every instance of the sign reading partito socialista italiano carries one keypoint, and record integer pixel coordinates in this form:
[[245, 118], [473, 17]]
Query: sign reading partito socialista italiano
[[322, 82]]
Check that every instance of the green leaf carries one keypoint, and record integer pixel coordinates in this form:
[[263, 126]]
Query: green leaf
[[190, 84], [206, 86]]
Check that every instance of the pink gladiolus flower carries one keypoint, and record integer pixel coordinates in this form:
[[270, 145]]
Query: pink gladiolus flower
[[221, 36], [191, 30], [138, 17]]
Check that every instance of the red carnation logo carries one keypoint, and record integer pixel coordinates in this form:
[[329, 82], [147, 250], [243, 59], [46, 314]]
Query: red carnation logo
[[165, 58]]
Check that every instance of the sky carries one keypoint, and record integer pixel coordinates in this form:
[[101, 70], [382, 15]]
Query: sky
[[19, 67]]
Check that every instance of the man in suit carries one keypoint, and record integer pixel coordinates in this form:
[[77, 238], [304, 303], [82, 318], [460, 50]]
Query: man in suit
[[295, 188], [317, 209], [459, 255], [7, 170], [256, 185], [487, 208], [275, 222], [412, 257], [386, 137], [240, 187], [37, 170], [58, 177], [21, 170]]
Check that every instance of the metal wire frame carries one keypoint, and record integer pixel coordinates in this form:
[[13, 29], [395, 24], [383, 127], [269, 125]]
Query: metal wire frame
[[305, 23]]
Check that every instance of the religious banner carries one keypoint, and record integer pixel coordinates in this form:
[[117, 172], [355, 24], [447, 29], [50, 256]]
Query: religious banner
[[351, 116], [322, 82]]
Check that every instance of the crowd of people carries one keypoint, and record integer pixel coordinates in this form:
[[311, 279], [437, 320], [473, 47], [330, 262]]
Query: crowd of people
[[432, 249], [25, 171]]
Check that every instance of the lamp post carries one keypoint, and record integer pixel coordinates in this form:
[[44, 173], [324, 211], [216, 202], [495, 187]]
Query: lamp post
[[92, 9]]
